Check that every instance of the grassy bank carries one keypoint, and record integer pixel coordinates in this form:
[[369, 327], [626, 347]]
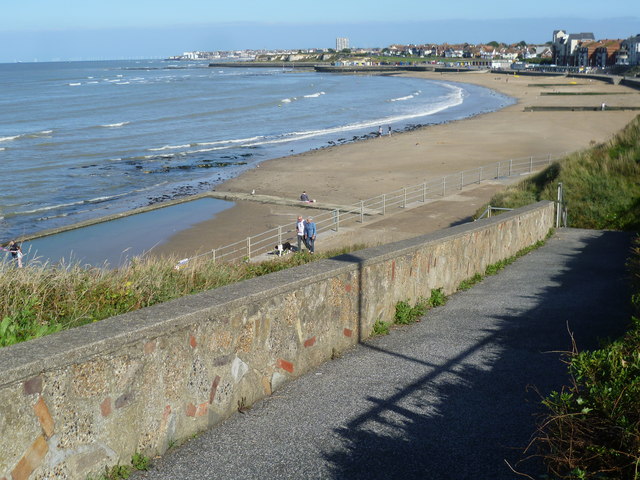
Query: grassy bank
[[601, 184], [37, 301], [591, 428]]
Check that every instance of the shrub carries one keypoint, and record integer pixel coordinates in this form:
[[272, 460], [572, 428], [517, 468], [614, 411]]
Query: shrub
[[591, 428], [381, 327]]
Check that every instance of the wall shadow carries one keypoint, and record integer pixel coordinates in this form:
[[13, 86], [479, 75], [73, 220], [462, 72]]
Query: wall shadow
[[465, 416]]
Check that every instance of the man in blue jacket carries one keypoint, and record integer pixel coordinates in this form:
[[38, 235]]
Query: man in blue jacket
[[310, 234]]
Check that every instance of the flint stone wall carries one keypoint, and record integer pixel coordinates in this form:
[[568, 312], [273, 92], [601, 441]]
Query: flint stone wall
[[77, 401]]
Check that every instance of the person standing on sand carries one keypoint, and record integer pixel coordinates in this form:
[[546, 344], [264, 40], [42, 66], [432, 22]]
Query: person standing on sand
[[300, 232], [310, 234], [380, 131], [304, 197]]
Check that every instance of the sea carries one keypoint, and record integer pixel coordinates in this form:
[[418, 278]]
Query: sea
[[81, 140]]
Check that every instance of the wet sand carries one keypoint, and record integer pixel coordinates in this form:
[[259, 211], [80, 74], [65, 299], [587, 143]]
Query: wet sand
[[348, 173]]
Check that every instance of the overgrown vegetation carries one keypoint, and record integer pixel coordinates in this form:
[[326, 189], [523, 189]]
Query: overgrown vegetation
[[39, 300], [119, 472], [601, 184], [494, 268], [406, 314], [592, 428]]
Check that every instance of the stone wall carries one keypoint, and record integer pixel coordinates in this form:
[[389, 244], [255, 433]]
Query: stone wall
[[77, 401]]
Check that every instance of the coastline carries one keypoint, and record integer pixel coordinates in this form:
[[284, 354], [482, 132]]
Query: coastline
[[349, 172]]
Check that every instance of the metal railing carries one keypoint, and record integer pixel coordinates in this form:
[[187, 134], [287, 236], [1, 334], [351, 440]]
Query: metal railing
[[383, 204], [490, 209]]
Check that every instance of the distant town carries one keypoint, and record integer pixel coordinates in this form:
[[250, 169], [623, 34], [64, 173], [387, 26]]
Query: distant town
[[565, 51]]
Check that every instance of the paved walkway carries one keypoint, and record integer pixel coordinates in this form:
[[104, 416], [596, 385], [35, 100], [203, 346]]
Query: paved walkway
[[450, 397]]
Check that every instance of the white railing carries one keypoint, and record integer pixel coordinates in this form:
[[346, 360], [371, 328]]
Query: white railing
[[386, 203]]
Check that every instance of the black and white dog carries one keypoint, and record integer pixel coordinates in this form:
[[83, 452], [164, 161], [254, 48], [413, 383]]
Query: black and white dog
[[283, 248]]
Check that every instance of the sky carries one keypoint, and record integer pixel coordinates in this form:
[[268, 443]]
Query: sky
[[45, 30]]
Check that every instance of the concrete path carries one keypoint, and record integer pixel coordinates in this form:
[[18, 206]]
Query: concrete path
[[451, 397]]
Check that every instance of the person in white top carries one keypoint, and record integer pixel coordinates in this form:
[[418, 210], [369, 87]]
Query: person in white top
[[300, 232]]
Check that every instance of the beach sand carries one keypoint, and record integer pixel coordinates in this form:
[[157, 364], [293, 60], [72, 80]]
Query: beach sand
[[348, 173]]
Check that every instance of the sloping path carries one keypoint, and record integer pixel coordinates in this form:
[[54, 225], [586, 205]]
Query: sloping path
[[450, 397]]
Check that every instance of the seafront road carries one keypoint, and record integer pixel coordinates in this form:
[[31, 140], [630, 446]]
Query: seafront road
[[454, 396]]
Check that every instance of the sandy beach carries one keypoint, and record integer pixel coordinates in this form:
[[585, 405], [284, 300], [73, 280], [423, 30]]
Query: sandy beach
[[348, 173]]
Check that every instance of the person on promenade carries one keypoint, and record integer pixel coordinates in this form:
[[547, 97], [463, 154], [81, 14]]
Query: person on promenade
[[16, 252], [300, 232], [310, 234]]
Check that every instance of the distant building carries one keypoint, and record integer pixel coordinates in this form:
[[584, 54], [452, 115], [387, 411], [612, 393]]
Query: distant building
[[341, 43], [565, 45], [629, 53], [597, 54]]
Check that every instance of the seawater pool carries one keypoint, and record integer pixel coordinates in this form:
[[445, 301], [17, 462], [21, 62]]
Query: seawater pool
[[113, 242]]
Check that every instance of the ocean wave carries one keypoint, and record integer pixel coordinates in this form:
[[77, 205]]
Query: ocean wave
[[231, 141], [8, 139], [169, 147], [288, 100], [115, 125], [43, 133], [2, 149], [314, 95], [77, 84], [401, 99]]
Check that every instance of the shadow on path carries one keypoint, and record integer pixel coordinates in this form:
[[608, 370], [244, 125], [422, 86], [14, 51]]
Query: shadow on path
[[465, 415]]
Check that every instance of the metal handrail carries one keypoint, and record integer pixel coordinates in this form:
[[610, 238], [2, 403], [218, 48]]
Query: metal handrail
[[490, 209], [256, 245]]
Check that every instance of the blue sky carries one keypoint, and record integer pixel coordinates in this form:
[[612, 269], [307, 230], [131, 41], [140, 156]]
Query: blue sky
[[89, 29]]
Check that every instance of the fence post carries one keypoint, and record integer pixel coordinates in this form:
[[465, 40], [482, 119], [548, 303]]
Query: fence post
[[480, 176], [384, 203], [214, 255], [336, 219], [530, 164], [559, 205], [404, 198], [361, 211], [279, 234], [249, 247], [498, 170], [549, 162], [510, 166], [424, 192], [461, 180], [444, 186]]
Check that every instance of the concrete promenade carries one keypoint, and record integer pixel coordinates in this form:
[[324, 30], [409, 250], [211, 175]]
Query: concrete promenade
[[451, 397]]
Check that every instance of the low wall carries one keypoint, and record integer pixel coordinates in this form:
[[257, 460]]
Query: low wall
[[631, 82], [593, 108], [80, 400]]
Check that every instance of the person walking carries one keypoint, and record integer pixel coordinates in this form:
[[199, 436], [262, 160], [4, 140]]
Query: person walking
[[300, 232], [310, 234]]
